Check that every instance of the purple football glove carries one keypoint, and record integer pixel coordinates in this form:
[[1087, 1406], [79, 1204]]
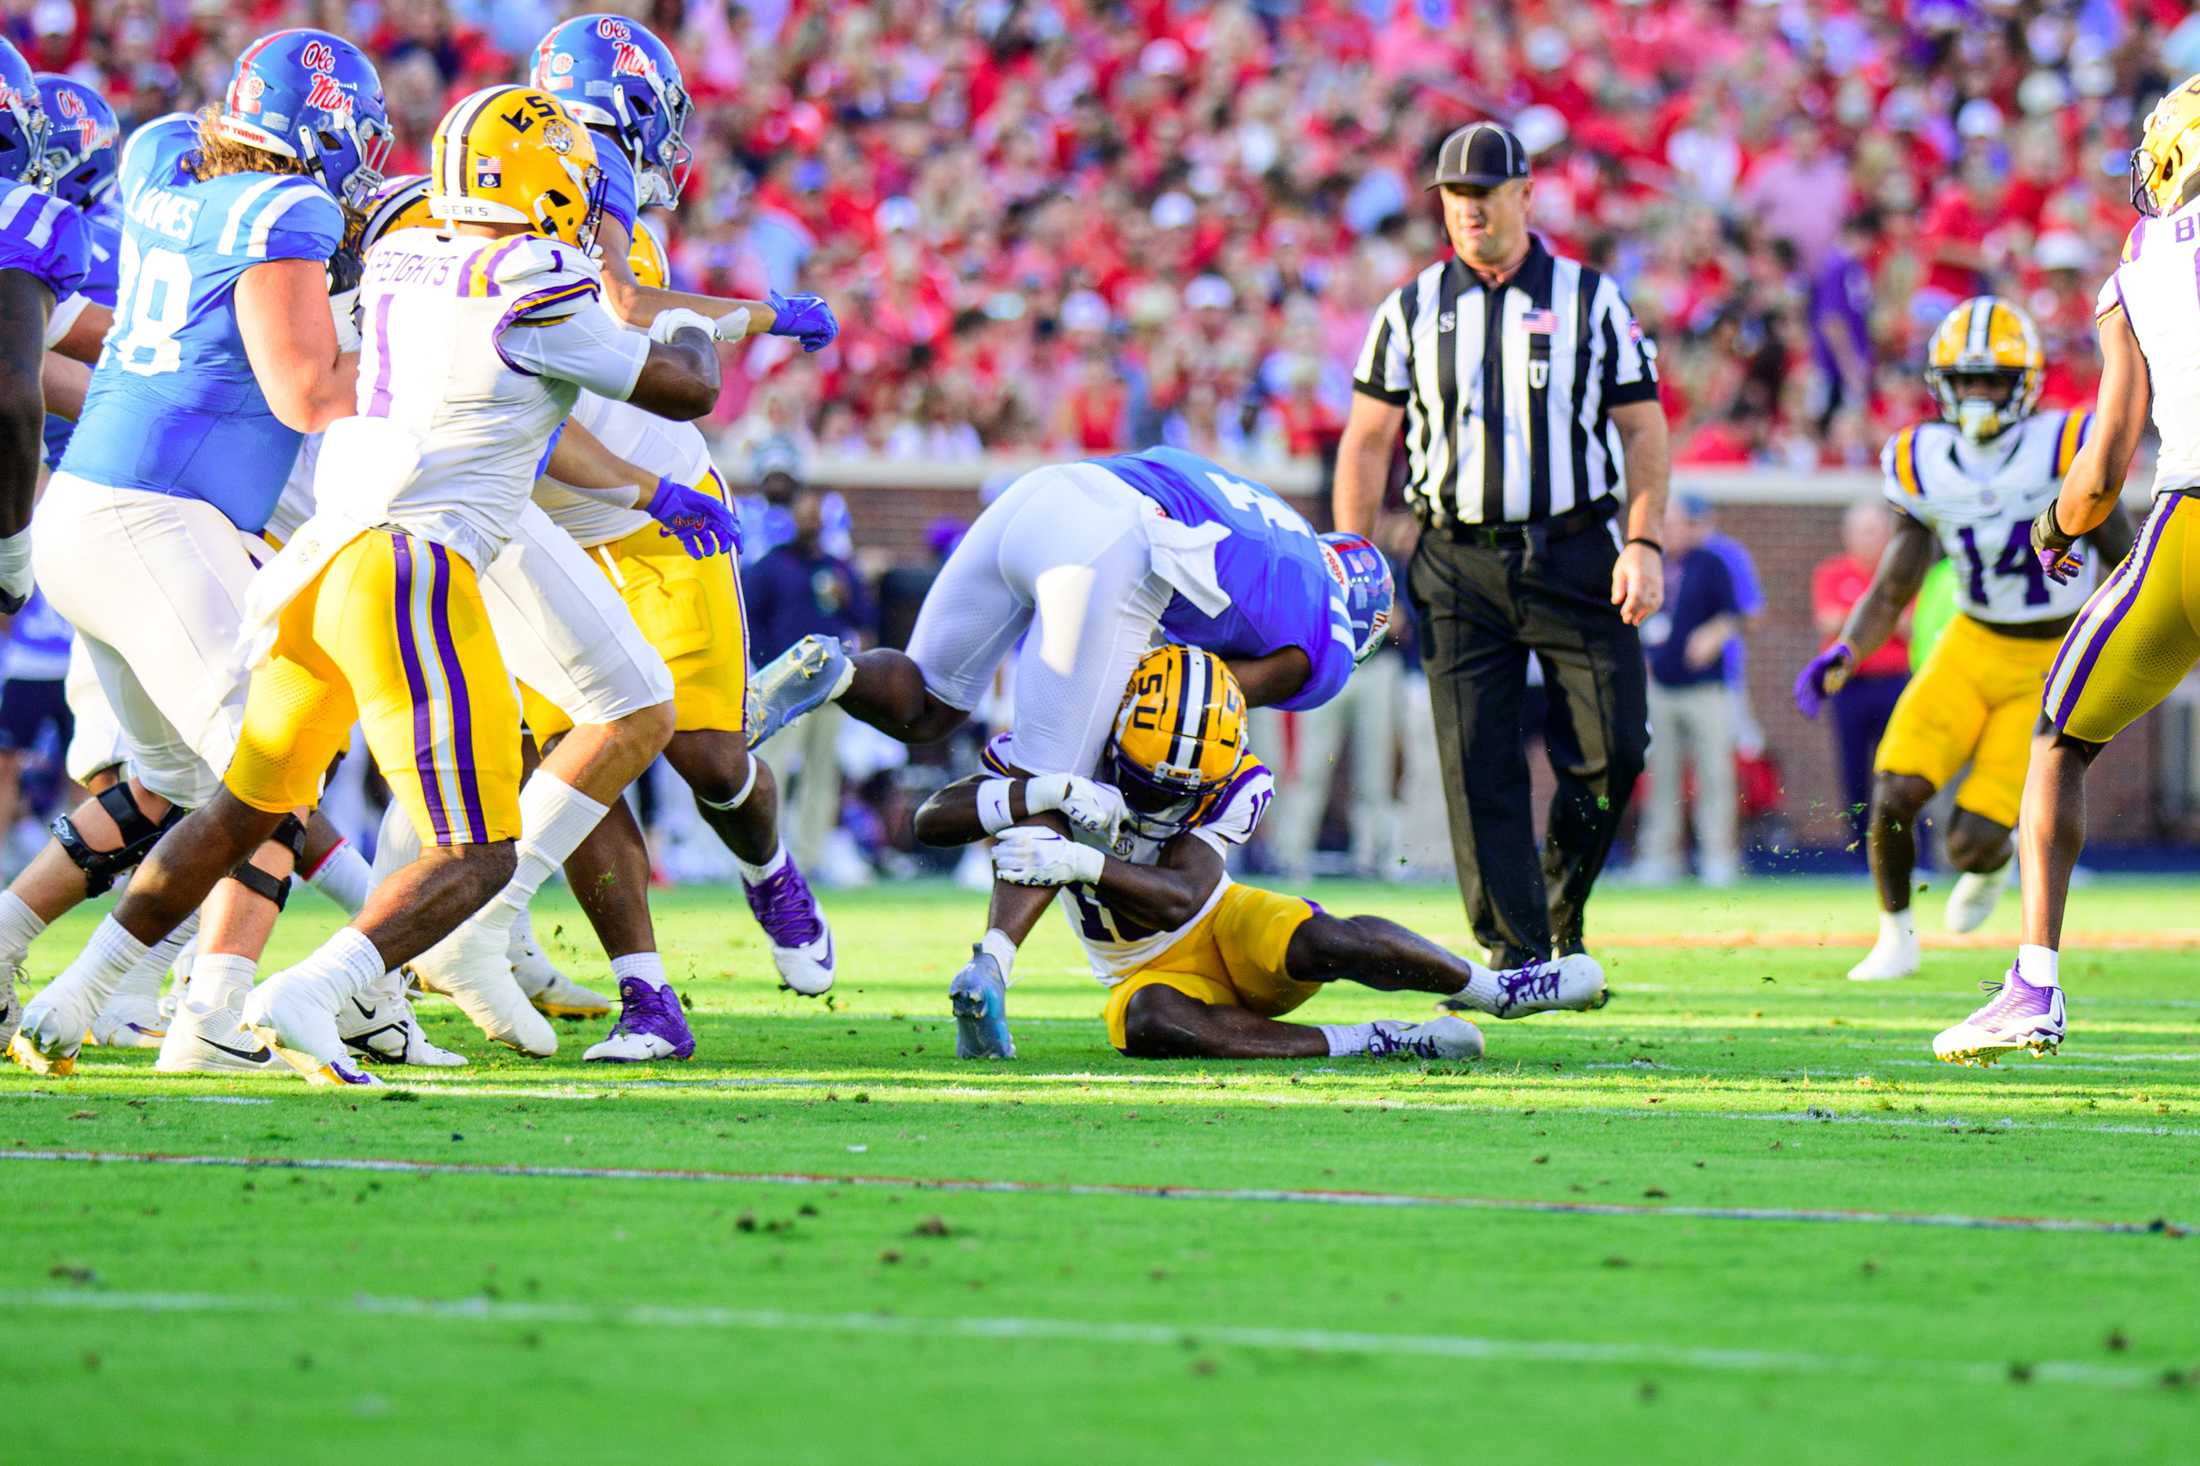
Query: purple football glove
[[2059, 554], [807, 318], [704, 526], [1822, 678]]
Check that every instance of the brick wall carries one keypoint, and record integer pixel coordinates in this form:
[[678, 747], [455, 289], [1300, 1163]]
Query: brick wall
[[1789, 537]]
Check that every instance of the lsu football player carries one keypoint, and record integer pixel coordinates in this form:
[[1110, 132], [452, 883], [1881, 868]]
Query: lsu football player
[[1196, 965], [614, 74], [479, 336], [1966, 485], [2135, 638], [1087, 565], [223, 352]]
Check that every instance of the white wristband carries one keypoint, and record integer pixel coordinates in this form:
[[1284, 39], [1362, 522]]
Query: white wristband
[[733, 327], [993, 806], [677, 319]]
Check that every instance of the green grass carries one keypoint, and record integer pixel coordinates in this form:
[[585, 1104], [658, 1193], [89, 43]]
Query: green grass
[[198, 1313]]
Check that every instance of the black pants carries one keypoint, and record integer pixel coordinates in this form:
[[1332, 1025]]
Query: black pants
[[1860, 713], [1483, 609]]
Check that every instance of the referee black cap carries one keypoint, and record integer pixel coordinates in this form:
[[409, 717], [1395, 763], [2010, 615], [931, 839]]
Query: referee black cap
[[1482, 154]]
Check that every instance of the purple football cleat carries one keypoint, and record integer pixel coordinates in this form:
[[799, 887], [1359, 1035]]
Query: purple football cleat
[[651, 1026], [802, 945], [2019, 1016]]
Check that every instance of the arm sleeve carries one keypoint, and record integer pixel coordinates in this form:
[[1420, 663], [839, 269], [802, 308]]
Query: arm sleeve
[[1630, 358], [2111, 296], [587, 347], [1383, 370]]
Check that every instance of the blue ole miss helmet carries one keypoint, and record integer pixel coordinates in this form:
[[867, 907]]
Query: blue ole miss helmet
[[81, 139], [1362, 573], [612, 72], [22, 120], [315, 97]]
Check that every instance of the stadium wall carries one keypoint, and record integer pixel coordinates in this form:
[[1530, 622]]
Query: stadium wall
[[2143, 794]]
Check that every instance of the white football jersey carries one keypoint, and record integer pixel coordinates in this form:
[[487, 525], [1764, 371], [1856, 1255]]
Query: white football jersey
[[295, 505], [673, 450], [1980, 499], [1116, 945], [2154, 285], [475, 350]]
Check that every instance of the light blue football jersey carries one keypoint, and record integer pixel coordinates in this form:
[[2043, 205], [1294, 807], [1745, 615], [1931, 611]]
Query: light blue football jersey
[[103, 233], [43, 237], [174, 407], [1269, 565]]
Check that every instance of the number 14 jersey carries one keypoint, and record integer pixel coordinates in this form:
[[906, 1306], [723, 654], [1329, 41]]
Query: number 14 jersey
[[174, 407], [1980, 499]]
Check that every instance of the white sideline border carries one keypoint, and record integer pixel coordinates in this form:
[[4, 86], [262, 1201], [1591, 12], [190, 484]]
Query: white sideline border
[[1175, 1337], [2089, 1226]]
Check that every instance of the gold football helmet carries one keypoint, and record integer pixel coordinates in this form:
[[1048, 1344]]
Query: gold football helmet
[[647, 258], [2167, 159], [399, 203], [1986, 340], [511, 155], [1179, 734]]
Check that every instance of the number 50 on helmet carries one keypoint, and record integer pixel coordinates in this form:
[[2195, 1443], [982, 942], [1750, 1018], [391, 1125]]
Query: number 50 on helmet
[[511, 155]]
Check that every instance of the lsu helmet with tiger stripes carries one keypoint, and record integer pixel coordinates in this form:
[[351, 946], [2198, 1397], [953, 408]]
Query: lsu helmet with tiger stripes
[[400, 203], [1985, 337], [647, 258], [511, 155], [1180, 732]]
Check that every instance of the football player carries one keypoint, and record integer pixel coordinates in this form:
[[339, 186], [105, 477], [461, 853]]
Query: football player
[[2138, 635], [1198, 966], [222, 354], [1096, 561], [1966, 486], [479, 336]]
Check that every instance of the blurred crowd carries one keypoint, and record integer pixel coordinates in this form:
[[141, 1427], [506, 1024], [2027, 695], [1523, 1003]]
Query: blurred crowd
[[1078, 226]]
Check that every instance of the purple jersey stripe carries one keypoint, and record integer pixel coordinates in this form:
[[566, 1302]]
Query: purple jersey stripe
[[2107, 628], [496, 257], [416, 684], [378, 405], [462, 710]]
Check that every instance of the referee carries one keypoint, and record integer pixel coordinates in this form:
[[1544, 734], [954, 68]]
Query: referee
[[1528, 396]]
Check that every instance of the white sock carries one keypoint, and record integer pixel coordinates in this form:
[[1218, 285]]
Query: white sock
[[19, 927], [110, 953], [345, 878], [1346, 1039], [757, 874], [346, 963], [220, 980], [523, 936], [648, 966], [1898, 926], [554, 818], [995, 944], [187, 956], [2037, 966]]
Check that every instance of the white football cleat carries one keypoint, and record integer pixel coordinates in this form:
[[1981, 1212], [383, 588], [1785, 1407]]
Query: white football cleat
[[11, 1007], [380, 1027], [471, 969], [553, 993], [294, 1015], [205, 1039], [1439, 1038], [1894, 955], [55, 1023], [1574, 983], [130, 1021], [1973, 897], [2017, 1016]]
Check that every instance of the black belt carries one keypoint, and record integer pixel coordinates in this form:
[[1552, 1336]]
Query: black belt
[[1592, 515], [2053, 629]]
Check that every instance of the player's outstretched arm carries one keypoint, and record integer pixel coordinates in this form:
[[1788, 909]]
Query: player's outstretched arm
[[580, 462], [972, 809], [2095, 483], [290, 338], [679, 378], [1901, 570], [805, 317]]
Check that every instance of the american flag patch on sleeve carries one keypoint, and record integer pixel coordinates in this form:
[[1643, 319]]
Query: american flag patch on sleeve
[[1539, 322]]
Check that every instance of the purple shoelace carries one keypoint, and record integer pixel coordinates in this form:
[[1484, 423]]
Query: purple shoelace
[[784, 907]]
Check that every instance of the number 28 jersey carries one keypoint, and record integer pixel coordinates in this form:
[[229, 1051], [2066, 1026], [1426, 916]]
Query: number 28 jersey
[[174, 407], [1979, 500]]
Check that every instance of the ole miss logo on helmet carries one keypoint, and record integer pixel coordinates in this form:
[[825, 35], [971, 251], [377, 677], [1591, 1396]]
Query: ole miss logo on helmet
[[628, 59], [328, 95], [318, 56], [69, 105], [611, 28]]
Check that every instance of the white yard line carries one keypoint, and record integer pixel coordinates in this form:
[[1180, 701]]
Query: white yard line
[[1380, 1199], [1169, 1336]]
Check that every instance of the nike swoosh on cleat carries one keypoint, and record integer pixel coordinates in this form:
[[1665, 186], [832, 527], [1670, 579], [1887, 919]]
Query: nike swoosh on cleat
[[261, 1056], [365, 1011]]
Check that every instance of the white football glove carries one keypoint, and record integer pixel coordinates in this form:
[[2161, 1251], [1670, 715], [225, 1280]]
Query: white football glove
[[1095, 808], [1032, 856], [677, 319], [15, 571]]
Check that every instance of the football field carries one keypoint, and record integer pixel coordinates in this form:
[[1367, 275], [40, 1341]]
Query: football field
[[1737, 1214]]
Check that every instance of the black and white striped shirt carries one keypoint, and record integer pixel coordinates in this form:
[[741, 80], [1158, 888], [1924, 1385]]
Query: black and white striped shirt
[[1566, 350]]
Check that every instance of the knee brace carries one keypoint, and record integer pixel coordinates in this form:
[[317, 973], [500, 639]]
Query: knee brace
[[740, 795], [139, 835], [291, 834]]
